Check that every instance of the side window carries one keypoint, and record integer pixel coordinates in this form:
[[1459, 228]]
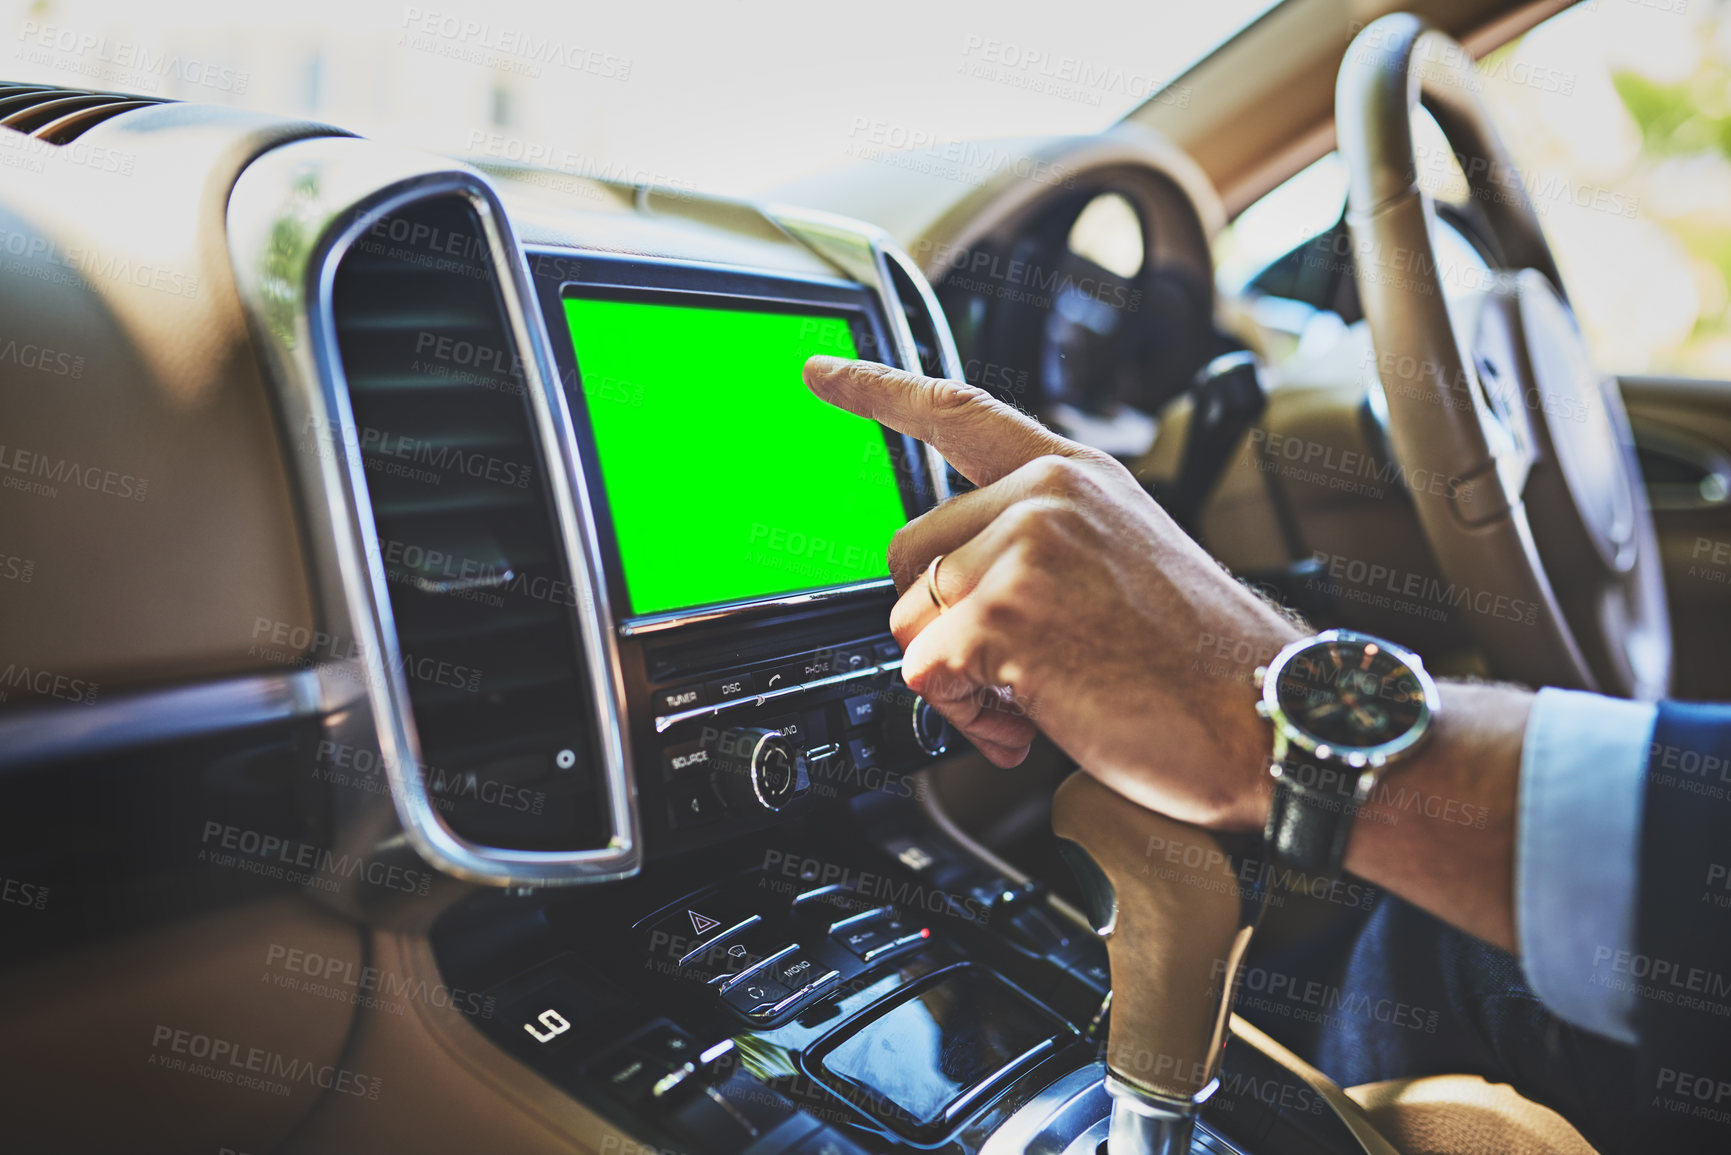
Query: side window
[[1282, 261], [1617, 113]]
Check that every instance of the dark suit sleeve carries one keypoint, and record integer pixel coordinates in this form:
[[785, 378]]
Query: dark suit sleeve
[[1681, 967]]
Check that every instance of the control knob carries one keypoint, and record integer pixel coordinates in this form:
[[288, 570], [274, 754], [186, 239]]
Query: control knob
[[758, 770], [913, 730]]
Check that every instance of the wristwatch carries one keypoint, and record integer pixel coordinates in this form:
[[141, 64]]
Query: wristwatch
[[1346, 707]]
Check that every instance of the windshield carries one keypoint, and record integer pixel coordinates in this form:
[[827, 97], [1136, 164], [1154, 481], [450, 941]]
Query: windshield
[[713, 96]]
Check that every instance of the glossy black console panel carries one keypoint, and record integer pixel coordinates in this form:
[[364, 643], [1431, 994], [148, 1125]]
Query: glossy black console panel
[[921, 1060], [763, 959], [853, 979]]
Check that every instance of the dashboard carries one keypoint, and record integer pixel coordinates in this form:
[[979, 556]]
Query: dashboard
[[604, 553], [445, 597]]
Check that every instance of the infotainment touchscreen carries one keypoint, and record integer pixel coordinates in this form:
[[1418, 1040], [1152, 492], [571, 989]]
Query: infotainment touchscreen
[[725, 478]]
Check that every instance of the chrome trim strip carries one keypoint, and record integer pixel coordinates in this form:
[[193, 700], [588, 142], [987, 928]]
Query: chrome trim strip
[[291, 216], [676, 619], [948, 357], [1081, 1092], [734, 980], [745, 923], [804, 992], [863, 252], [862, 916], [665, 722], [964, 1104], [628, 260], [63, 732], [895, 946]]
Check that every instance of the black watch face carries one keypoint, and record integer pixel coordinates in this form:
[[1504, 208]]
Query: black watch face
[[1349, 693]]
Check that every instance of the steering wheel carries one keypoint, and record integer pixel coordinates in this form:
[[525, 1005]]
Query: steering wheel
[[1515, 448]]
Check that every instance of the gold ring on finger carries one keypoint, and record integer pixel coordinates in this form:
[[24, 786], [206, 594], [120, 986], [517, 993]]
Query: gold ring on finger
[[932, 584]]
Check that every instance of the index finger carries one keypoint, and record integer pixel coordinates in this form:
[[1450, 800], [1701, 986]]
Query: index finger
[[978, 434]]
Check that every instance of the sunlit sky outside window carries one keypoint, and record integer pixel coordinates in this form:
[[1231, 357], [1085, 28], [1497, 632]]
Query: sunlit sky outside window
[[1619, 112], [717, 95]]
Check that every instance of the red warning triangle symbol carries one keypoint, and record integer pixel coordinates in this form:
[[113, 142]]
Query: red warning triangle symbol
[[702, 923]]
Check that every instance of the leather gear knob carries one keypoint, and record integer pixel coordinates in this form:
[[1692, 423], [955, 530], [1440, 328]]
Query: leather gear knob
[[1174, 908]]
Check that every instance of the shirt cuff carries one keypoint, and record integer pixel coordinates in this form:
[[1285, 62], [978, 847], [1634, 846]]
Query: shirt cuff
[[1583, 778]]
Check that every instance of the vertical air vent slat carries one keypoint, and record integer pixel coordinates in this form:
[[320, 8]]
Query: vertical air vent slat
[[479, 588], [62, 115]]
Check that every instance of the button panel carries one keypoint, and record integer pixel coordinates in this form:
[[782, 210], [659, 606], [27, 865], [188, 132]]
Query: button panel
[[765, 959], [862, 709], [693, 803], [863, 751], [797, 972], [630, 1077], [852, 659], [834, 708], [786, 960], [755, 996], [728, 689], [672, 701], [685, 933], [687, 758], [547, 1020], [748, 687], [650, 1068], [877, 934]]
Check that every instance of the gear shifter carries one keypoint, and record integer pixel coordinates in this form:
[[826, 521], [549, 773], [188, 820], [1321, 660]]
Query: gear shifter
[[1177, 921]]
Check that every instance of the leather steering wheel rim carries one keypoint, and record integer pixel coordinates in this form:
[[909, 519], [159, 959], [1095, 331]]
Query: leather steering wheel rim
[[1516, 451]]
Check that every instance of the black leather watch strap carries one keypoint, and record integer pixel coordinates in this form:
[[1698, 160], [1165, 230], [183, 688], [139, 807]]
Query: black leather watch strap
[[1310, 818]]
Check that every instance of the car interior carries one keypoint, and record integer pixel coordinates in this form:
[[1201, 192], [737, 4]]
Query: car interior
[[447, 700]]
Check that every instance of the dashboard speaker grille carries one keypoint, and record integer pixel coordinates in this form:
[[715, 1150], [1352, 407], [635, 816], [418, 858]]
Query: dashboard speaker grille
[[478, 586]]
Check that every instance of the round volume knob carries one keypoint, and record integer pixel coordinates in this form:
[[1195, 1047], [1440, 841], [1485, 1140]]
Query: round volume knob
[[913, 729], [758, 769]]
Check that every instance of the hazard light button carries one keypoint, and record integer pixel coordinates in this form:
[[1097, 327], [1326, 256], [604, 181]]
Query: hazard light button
[[689, 930]]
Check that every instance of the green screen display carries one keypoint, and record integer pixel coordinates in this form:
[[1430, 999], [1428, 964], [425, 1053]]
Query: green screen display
[[726, 477]]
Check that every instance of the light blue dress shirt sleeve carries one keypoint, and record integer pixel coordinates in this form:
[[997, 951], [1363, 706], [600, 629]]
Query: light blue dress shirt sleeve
[[1577, 853]]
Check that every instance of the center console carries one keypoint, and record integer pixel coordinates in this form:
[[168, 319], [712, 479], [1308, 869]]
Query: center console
[[743, 524], [807, 961], [854, 981], [731, 918]]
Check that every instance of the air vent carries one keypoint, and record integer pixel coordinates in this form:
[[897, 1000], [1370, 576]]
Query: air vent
[[932, 341], [920, 320], [479, 589], [62, 115]]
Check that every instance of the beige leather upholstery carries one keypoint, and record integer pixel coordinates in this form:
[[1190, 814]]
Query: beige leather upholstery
[[189, 1037], [1177, 924], [448, 1088], [1464, 1115], [165, 534]]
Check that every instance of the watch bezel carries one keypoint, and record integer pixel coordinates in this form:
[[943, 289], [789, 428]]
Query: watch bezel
[[1290, 734]]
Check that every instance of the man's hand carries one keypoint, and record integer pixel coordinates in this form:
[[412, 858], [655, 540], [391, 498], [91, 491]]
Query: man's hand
[[1076, 604]]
